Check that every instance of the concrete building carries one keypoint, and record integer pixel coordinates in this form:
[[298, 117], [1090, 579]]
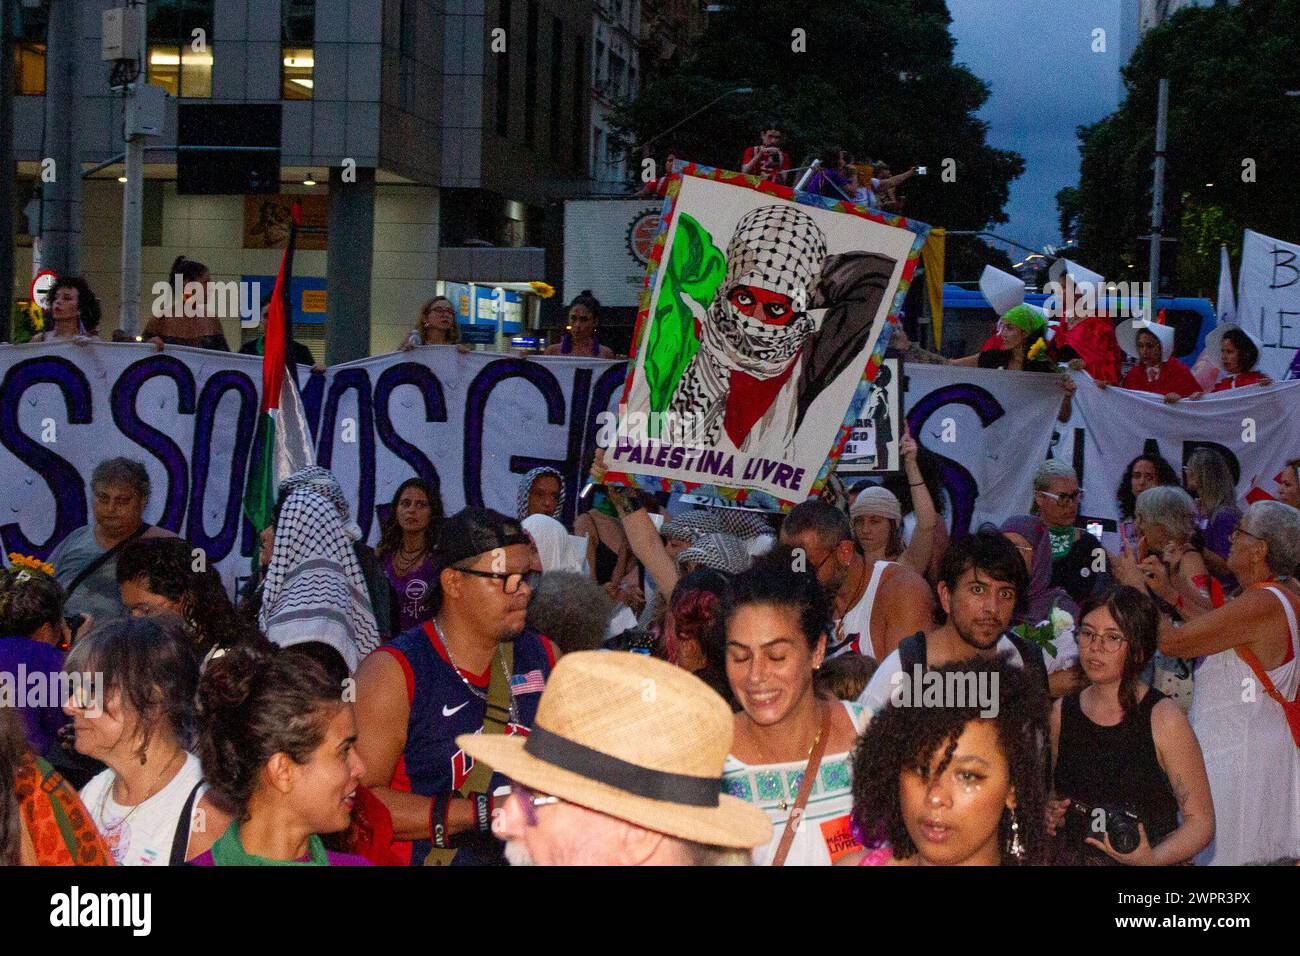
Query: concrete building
[[1155, 12], [465, 121], [615, 77]]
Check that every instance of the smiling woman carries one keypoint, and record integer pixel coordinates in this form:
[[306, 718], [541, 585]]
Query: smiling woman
[[791, 747], [278, 743]]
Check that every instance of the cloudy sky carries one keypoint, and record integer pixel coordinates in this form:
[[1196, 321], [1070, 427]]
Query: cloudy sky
[[1036, 55]]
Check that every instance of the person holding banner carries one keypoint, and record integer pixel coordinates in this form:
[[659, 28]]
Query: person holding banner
[[437, 325], [73, 312], [1235, 353], [186, 324], [580, 337], [1084, 336], [1023, 349], [1251, 741], [1157, 370]]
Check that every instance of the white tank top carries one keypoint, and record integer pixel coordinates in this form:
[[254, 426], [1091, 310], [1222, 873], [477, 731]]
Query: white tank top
[[142, 835], [853, 630]]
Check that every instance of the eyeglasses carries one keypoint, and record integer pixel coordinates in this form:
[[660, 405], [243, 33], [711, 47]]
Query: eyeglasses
[[1239, 530], [1068, 497], [509, 582], [1109, 640], [531, 801]]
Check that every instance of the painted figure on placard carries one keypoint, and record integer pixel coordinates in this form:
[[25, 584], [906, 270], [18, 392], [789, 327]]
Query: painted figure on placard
[[743, 344]]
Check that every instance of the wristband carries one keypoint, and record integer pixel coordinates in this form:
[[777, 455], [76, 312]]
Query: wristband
[[915, 484], [438, 820]]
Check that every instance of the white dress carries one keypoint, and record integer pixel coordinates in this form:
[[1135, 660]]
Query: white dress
[[824, 834], [1250, 756]]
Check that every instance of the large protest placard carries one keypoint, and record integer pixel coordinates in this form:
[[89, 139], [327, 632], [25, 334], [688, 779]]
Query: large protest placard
[[990, 428], [757, 342], [1268, 301], [1256, 429], [471, 424]]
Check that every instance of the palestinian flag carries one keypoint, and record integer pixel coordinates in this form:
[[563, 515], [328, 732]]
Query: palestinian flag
[[284, 444]]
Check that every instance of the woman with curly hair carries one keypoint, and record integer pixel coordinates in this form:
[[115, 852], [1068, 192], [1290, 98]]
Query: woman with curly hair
[[279, 743], [950, 786], [157, 574]]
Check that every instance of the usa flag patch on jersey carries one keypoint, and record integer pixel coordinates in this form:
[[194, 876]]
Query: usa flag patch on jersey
[[531, 683]]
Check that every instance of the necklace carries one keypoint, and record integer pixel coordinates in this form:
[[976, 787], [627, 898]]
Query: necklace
[[404, 562], [783, 803], [148, 795], [481, 695]]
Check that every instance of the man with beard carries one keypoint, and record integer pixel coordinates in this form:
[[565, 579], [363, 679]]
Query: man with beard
[[472, 669], [981, 578], [876, 604], [742, 377]]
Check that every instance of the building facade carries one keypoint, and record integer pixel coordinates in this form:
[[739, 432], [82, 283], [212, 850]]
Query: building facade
[[427, 138]]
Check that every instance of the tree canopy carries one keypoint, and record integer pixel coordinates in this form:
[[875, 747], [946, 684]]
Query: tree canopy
[[1233, 146]]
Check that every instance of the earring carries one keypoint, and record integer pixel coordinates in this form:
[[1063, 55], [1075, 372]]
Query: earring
[[1017, 849]]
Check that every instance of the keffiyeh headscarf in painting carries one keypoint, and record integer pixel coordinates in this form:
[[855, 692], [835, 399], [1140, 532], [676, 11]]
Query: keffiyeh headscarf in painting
[[315, 590], [779, 249], [526, 488]]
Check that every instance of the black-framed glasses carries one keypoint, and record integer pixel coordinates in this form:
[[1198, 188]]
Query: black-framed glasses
[[1109, 640], [530, 801], [1068, 497], [509, 582]]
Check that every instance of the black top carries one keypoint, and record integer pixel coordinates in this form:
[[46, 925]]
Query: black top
[[215, 341], [998, 358], [298, 353], [1074, 572], [1114, 768]]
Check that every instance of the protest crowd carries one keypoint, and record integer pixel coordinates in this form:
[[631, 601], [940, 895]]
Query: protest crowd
[[662, 683]]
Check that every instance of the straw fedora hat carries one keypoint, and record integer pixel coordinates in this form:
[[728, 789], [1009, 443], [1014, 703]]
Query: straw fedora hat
[[634, 738]]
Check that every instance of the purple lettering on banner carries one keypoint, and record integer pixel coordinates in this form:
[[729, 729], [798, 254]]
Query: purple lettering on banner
[[122, 400], [609, 384], [476, 399], [313, 396], [219, 546], [65, 483], [957, 481], [357, 380], [435, 410]]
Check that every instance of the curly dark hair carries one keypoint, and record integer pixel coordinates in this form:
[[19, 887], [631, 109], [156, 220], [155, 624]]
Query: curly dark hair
[[899, 739], [87, 303], [698, 604], [390, 536], [13, 751], [988, 552], [254, 703], [773, 580], [1165, 475], [151, 662], [165, 566]]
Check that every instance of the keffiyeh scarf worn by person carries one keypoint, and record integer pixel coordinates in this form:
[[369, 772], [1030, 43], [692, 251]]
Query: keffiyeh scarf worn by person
[[323, 482], [526, 488], [776, 248], [315, 590], [721, 552]]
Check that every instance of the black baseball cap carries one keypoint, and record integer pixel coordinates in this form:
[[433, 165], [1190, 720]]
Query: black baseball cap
[[474, 531]]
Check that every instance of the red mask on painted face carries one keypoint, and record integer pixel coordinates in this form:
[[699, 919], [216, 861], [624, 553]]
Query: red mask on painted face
[[772, 308]]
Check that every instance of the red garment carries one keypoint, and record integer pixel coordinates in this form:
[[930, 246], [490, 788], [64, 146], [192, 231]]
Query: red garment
[[768, 168], [1237, 381], [748, 399], [992, 343], [1174, 377], [1093, 340]]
